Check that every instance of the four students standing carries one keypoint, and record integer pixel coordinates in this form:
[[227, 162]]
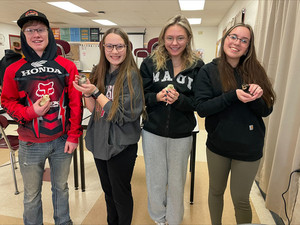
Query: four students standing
[[175, 83]]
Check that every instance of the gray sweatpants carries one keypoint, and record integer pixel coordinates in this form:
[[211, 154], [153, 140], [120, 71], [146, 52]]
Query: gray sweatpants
[[166, 162], [241, 180]]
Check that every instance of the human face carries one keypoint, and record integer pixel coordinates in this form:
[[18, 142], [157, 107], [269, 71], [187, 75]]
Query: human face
[[37, 37], [236, 45], [114, 57], [176, 40]]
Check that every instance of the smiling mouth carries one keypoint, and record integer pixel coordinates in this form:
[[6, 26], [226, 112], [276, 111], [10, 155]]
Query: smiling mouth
[[175, 49], [115, 57], [234, 49]]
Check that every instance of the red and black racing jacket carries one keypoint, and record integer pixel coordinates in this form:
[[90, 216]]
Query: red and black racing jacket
[[29, 79]]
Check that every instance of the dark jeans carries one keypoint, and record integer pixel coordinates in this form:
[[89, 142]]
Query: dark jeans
[[115, 176]]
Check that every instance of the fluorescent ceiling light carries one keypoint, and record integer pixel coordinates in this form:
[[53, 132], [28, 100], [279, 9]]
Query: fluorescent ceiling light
[[191, 4], [68, 6], [194, 20], [105, 22]]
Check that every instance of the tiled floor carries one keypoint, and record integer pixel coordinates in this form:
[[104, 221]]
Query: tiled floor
[[89, 207]]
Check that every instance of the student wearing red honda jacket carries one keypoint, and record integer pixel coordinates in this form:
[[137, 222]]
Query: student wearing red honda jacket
[[48, 131]]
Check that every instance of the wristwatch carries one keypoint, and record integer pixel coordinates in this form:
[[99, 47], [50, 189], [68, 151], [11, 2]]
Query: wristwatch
[[96, 93]]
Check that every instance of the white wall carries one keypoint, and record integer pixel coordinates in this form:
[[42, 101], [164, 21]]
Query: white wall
[[6, 29], [251, 7], [151, 32], [205, 38]]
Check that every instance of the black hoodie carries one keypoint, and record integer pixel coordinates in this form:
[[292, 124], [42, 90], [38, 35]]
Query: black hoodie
[[10, 57], [176, 120], [235, 129], [49, 54]]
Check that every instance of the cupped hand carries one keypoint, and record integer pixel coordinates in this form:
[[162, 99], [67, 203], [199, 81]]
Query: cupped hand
[[87, 89], [255, 92], [162, 96], [41, 110], [172, 96]]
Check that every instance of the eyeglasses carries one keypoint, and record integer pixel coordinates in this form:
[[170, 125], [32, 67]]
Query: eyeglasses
[[179, 39], [39, 31], [110, 47], [233, 37]]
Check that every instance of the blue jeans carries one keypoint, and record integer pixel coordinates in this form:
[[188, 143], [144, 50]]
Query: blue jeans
[[32, 158]]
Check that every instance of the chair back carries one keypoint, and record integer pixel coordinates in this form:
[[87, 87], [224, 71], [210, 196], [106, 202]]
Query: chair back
[[152, 44], [3, 121], [141, 52], [63, 47], [10, 142]]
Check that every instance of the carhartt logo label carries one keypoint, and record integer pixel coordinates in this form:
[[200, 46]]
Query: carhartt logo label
[[39, 63], [45, 89], [40, 68]]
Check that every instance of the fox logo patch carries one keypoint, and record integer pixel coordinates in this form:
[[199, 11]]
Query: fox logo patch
[[45, 89]]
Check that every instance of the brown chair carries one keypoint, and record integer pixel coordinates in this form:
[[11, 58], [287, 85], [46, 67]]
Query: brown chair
[[10, 142]]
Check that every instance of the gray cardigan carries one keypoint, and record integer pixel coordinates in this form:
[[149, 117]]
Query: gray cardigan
[[106, 139]]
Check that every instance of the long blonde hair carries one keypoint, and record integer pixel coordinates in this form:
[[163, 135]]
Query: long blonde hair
[[249, 69], [125, 73], [160, 54]]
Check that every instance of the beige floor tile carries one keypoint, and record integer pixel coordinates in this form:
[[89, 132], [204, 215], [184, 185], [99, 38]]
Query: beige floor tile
[[89, 207]]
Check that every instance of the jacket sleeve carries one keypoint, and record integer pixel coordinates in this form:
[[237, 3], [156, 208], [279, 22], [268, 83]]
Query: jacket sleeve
[[260, 108], [186, 103], [75, 104], [209, 96], [147, 71], [124, 113], [10, 99]]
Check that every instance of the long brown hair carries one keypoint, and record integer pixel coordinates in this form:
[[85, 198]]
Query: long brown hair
[[125, 73], [248, 68], [160, 55]]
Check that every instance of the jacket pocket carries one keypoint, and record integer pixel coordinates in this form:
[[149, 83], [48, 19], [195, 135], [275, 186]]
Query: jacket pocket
[[237, 133]]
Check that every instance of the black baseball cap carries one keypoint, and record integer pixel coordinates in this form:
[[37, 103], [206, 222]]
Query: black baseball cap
[[32, 14]]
